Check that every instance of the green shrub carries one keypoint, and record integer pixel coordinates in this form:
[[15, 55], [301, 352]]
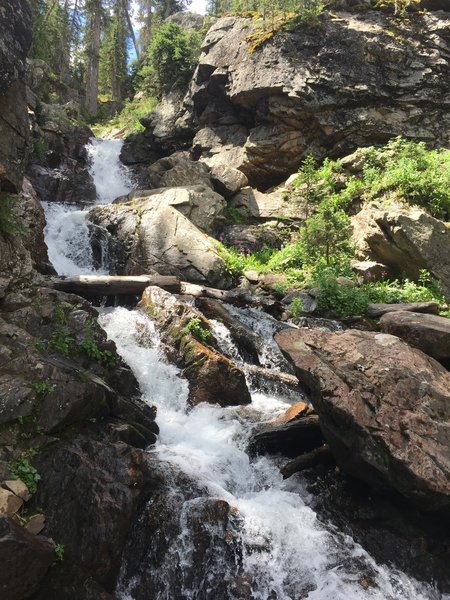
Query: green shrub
[[412, 173], [59, 549], [22, 469], [42, 388], [195, 328], [61, 341], [171, 58], [326, 235], [90, 347], [40, 149], [296, 308], [350, 300]]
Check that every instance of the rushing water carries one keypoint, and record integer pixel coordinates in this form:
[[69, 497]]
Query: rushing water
[[289, 552], [297, 555], [67, 232]]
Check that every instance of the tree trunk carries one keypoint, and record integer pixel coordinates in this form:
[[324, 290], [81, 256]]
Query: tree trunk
[[130, 27], [95, 27]]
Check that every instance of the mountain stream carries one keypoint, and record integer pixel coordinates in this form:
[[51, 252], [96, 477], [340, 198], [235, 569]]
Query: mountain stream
[[286, 551]]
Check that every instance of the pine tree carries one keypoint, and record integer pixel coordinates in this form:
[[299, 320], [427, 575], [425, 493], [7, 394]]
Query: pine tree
[[113, 53]]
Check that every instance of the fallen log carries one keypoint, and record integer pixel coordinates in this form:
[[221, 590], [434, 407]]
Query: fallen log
[[113, 285], [237, 296], [318, 456]]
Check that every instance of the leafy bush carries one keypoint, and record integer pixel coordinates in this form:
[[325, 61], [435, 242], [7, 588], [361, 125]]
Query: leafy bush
[[42, 388], [350, 300], [22, 469], [326, 235], [61, 341], [195, 328], [90, 347], [296, 308], [59, 549], [411, 172], [40, 149], [128, 118]]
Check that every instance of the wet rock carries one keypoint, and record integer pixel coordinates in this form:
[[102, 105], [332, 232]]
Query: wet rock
[[293, 413], [70, 183], [247, 341], [71, 582], [429, 333], [318, 456], [290, 439], [33, 217], [90, 491], [196, 547], [25, 560], [212, 377], [383, 408], [406, 239]]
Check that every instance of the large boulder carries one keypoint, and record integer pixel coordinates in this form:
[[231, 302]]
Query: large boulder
[[406, 239], [255, 205], [262, 104], [69, 182], [25, 560], [90, 492], [212, 377], [176, 170], [152, 234], [383, 409], [429, 333]]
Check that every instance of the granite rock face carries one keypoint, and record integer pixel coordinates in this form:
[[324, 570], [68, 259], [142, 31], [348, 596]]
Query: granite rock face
[[353, 81]]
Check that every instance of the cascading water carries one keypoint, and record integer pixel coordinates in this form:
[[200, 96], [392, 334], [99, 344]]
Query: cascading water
[[67, 232], [289, 553], [286, 552]]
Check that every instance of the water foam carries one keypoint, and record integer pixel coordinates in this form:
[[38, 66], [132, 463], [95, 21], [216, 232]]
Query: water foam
[[287, 549]]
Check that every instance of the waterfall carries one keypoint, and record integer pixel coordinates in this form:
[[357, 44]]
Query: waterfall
[[289, 552], [67, 233], [286, 550]]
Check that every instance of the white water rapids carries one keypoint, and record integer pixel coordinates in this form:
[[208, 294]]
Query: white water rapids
[[297, 555], [67, 234]]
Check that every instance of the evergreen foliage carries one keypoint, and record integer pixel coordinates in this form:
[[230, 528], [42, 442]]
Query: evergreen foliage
[[170, 59], [321, 251]]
